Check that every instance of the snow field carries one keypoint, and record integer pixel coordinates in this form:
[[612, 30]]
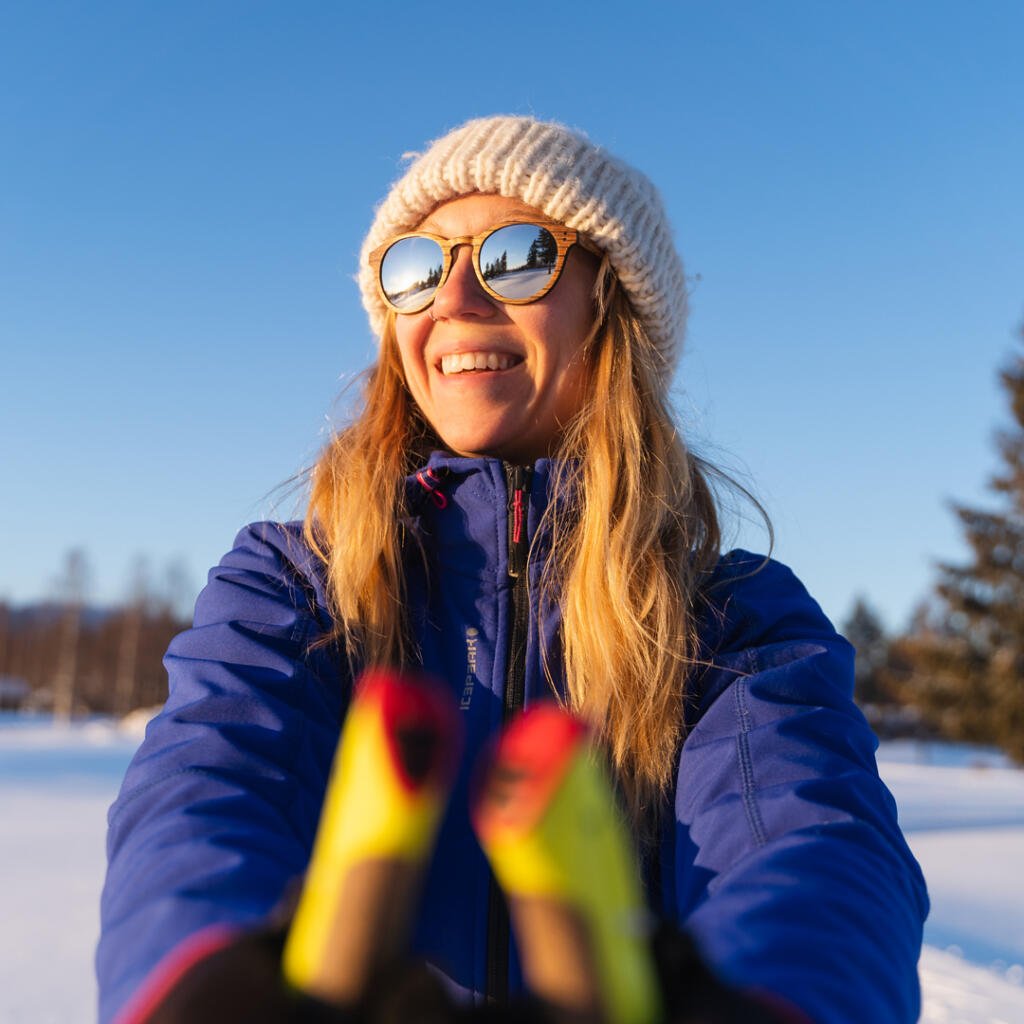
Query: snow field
[[956, 992], [963, 811]]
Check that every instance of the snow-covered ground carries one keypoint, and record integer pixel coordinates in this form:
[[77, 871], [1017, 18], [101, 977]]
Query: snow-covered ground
[[55, 787], [962, 809]]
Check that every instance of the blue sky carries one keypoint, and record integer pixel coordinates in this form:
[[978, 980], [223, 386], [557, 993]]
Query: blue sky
[[184, 188]]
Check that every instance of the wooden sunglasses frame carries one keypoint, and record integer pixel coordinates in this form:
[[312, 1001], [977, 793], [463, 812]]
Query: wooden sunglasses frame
[[565, 238]]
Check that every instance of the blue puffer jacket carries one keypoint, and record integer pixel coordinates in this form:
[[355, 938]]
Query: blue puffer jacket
[[783, 856]]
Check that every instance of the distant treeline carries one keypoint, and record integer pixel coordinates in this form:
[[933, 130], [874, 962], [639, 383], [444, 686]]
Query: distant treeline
[[70, 658], [81, 661]]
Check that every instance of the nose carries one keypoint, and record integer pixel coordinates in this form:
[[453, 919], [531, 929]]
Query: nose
[[461, 294]]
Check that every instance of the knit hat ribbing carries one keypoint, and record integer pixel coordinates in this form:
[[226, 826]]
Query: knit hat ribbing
[[570, 180]]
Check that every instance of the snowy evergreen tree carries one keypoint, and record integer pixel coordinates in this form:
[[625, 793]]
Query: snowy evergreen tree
[[963, 662]]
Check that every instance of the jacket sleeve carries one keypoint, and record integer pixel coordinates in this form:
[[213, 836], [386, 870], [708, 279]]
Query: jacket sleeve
[[219, 806], [788, 865]]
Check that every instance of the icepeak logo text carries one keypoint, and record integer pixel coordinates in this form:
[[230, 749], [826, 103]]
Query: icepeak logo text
[[467, 689]]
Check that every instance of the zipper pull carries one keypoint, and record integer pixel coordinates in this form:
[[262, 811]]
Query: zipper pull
[[518, 495]]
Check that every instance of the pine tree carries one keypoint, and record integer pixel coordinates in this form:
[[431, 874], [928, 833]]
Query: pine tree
[[547, 249], [964, 659], [533, 254], [864, 629]]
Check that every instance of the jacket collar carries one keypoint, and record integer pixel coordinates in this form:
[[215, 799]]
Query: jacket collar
[[462, 505]]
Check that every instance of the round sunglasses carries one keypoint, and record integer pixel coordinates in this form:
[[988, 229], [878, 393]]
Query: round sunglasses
[[516, 263]]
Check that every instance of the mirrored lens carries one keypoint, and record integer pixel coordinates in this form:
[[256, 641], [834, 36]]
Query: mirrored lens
[[517, 261], [410, 272]]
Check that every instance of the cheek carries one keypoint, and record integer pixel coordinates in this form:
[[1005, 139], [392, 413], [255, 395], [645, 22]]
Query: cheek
[[574, 309], [566, 378], [411, 338], [565, 330]]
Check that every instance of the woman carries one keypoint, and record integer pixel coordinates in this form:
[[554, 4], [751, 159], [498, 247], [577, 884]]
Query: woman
[[513, 509]]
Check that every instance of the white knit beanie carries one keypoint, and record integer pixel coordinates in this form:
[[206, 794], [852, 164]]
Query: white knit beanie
[[569, 179]]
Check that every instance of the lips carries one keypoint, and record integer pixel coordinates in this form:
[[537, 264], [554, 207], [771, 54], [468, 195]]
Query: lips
[[471, 362]]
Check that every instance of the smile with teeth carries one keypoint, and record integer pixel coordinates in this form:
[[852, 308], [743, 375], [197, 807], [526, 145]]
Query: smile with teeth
[[464, 362]]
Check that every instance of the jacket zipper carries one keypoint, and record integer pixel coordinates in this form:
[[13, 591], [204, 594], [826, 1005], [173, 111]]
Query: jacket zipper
[[518, 480]]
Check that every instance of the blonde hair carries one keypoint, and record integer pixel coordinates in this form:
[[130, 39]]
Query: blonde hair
[[634, 530]]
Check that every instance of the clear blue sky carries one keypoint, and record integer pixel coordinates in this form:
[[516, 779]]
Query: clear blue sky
[[184, 187]]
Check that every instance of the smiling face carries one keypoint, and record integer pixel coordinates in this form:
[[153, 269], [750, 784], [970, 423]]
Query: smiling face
[[493, 378]]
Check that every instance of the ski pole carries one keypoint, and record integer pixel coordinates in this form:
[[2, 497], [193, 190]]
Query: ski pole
[[389, 785], [546, 817]]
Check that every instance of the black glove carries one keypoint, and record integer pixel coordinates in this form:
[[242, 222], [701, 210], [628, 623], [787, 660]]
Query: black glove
[[692, 994], [242, 982]]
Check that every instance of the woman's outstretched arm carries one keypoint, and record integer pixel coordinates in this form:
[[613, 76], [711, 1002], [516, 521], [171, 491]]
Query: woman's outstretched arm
[[219, 806], [785, 860]]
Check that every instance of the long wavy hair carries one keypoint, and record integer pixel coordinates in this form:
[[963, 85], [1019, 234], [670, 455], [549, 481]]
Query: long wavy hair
[[634, 530]]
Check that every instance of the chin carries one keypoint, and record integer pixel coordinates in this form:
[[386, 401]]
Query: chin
[[507, 452], [478, 444]]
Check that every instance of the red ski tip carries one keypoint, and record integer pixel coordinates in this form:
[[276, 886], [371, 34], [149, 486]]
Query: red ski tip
[[525, 766], [420, 722]]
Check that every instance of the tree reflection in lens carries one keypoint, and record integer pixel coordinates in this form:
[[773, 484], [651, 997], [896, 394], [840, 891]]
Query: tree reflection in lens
[[516, 261]]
